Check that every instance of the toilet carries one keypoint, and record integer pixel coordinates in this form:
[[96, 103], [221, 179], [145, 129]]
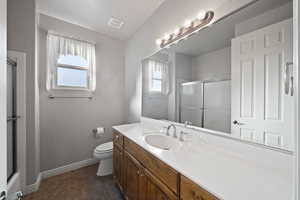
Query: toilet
[[104, 153]]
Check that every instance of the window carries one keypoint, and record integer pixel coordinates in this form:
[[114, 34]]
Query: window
[[71, 64], [72, 71], [156, 80], [158, 76]]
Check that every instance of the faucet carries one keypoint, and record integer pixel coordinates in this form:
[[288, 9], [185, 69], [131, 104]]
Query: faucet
[[174, 131]]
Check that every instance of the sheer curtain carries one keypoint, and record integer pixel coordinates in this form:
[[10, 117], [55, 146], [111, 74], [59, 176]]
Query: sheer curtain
[[58, 45], [156, 67]]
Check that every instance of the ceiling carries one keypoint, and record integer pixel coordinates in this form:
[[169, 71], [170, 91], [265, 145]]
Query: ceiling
[[95, 14], [219, 35]]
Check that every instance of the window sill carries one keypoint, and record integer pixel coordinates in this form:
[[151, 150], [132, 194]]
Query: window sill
[[70, 94]]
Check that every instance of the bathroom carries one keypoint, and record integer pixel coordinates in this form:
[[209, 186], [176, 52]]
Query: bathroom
[[168, 99]]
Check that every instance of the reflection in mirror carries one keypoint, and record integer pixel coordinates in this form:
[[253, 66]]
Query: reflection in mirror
[[234, 76]]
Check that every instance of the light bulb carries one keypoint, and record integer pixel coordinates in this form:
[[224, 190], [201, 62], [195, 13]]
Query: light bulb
[[158, 41], [167, 37], [201, 15], [187, 23], [177, 31]]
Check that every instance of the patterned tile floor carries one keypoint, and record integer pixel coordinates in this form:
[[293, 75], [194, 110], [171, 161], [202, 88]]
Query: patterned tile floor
[[81, 184]]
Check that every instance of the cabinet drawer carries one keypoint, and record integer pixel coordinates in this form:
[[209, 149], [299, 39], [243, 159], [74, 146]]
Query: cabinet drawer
[[191, 191], [118, 139], [164, 172]]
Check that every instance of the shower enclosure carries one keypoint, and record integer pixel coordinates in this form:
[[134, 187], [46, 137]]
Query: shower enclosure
[[206, 104]]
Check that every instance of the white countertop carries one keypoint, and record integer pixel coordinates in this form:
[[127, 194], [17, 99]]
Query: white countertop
[[226, 174]]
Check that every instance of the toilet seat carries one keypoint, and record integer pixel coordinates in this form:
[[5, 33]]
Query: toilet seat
[[104, 148]]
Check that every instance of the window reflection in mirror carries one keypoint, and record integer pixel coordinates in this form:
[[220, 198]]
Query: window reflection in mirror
[[232, 77]]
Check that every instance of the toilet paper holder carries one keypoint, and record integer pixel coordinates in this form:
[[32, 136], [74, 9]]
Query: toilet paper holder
[[98, 131]]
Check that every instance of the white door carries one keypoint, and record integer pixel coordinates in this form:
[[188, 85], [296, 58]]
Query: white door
[[262, 97], [2, 97]]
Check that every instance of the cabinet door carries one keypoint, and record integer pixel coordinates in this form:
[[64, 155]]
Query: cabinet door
[[118, 166], [191, 191], [131, 177], [150, 188]]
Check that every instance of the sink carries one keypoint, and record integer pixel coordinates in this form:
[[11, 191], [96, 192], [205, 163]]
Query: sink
[[161, 141]]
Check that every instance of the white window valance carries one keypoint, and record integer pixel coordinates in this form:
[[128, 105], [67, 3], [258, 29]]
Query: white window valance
[[59, 45]]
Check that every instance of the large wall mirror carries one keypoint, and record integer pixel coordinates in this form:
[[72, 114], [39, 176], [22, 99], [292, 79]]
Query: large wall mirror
[[233, 77]]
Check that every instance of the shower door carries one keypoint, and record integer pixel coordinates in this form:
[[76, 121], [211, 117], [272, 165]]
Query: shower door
[[11, 118], [191, 103]]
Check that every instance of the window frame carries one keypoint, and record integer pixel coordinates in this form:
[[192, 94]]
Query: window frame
[[152, 78], [66, 66]]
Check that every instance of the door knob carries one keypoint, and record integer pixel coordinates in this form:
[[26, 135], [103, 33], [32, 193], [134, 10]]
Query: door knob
[[235, 122]]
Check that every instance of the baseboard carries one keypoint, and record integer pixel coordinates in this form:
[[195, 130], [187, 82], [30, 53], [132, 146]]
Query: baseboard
[[68, 168], [57, 171], [33, 187]]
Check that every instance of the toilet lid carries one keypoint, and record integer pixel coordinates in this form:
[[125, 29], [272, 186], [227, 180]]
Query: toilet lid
[[104, 147]]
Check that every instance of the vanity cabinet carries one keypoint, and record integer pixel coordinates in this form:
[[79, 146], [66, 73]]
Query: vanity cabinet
[[142, 176]]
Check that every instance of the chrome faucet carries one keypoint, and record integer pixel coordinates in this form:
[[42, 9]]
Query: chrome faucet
[[174, 130]]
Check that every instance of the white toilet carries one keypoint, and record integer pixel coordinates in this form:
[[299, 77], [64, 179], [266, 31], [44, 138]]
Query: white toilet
[[104, 153]]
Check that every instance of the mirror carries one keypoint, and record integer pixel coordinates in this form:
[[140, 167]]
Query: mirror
[[233, 77]]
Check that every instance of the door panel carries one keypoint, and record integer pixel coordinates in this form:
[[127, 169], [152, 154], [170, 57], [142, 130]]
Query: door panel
[[273, 99], [261, 109], [117, 164], [247, 88], [132, 170], [149, 190]]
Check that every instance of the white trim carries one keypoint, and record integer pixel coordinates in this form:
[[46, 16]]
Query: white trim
[[296, 52], [18, 182], [68, 168], [33, 187]]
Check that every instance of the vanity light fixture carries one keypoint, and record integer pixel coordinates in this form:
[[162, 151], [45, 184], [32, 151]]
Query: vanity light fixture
[[190, 26]]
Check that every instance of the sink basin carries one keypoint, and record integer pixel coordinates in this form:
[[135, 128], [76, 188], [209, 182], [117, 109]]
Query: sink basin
[[161, 141]]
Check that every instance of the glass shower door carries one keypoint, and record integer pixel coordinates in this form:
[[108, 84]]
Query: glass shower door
[[11, 119], [191, 103]]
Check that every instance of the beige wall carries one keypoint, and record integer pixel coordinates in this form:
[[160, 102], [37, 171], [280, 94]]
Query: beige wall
[[21, 23], [67, 124], [170, 15]]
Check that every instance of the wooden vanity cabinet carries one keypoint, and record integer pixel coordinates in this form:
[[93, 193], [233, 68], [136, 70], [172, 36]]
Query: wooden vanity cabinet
[[141, 176]]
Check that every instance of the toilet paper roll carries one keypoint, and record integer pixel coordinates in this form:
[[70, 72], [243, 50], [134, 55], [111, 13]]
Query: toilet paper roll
[[98, 132]]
